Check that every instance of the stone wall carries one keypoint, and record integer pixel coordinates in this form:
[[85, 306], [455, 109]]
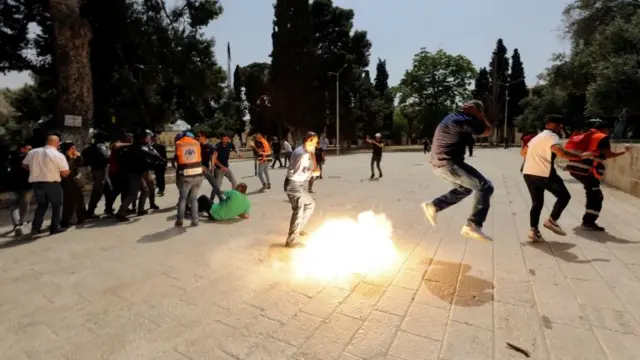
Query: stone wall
[[623, 172]]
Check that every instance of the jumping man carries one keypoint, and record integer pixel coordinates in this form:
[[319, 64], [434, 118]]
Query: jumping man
[[447, 158]]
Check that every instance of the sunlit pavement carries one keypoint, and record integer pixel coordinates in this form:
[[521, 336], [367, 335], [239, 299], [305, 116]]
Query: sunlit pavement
[[227, 291]]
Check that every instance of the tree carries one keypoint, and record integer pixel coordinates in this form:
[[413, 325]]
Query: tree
[[387, 101], [400, 126], [498, 73], [292, 64], [436, 84], [517, 90], [482, 85]]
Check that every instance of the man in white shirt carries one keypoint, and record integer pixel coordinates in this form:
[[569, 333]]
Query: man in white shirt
[[286, 151], [47, 166], [302, 166], [540, 175]]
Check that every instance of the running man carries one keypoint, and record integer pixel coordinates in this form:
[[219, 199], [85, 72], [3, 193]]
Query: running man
[[589, 172], [540, 175], [235, 204], [376, 155], [447, 158], [301, 167]]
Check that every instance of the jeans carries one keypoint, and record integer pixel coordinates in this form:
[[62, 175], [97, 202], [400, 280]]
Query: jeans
[[375, 159], [188, 188], [466, 180], [47, 193], [19, 206], [302, 205], [215, 189], [263, 173], [220, 175], [537, 186], [133, 184], [594, 197], [276, 157], [100, 186]]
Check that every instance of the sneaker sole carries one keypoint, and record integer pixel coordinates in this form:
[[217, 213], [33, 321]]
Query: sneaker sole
[[555, 231], [481, 239], [425, 210]]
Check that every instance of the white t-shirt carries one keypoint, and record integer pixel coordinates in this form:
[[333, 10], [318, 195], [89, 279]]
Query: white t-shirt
[[539, 160], [286, 146], [45, 164]]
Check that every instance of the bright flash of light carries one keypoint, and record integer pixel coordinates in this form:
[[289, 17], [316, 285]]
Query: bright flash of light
[[342, 247]]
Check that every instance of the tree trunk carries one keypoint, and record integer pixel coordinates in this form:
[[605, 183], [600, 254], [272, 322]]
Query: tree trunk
[[72, 34]]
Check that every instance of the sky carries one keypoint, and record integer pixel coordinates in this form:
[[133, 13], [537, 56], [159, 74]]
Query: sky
[[398, 31]]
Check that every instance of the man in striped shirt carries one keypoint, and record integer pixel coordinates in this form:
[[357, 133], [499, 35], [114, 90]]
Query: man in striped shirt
[[447, 158]]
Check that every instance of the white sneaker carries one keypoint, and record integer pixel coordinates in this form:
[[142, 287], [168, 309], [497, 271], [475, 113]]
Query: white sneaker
[[474, 232], [553, 226], [535, 236], [430, 212]]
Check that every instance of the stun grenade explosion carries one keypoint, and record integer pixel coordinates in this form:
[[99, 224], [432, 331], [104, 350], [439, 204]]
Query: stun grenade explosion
[[341, 247]]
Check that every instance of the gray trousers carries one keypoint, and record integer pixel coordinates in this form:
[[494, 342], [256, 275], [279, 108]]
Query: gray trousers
[[215, 188], [263, 173], [19, 206], [188, 188], [133, 185], [302, 206], [220, 175]]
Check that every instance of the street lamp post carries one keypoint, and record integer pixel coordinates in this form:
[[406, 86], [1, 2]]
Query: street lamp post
[[337, 75], [506, 105]]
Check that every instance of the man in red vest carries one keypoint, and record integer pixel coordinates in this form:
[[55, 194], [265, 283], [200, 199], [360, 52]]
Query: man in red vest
[[589, 172]]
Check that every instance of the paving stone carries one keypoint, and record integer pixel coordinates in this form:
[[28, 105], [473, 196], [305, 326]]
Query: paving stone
[[411, 347], [467, 342], [426, 321], [567, 342], [375, 336], [331, 338], [227, 291], [323, 304], [396, 300]]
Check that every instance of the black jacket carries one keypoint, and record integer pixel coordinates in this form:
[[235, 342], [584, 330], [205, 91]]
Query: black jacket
[[19, 176]]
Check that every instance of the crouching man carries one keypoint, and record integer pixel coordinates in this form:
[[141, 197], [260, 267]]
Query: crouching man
[[235, 204]]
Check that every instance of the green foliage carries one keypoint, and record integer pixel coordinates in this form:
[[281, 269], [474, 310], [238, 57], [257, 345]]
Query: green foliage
[[400, 125], [518, 88], [434, 86], [599, 77], [387, 106], [165, 72]]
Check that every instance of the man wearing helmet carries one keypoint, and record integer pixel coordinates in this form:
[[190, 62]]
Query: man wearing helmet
[[376, 155]]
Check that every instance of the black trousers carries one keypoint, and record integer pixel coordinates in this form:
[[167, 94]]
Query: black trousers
[[101, 185], [537, 185], [276, 157], [376, 159], [134, 184], [594, 197], [118, 187], [47, 193], [160, 180], [72, 203]]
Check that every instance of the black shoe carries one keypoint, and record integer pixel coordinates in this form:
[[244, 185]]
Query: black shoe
[[372, 177], [154, 207], [380, 176], [160, 193], [59, 230], [131, 211], [122, 218], [269, 186], [109, 212], [592, 226], [143, 212], [93, 216]]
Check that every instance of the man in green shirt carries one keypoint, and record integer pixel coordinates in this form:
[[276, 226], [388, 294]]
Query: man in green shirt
[[235, 204]]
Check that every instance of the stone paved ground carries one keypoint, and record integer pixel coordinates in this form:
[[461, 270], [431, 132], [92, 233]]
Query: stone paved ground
[[223, 291]]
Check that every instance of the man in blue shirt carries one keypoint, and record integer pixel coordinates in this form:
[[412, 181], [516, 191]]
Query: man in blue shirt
[[447, 158], [221, 154]]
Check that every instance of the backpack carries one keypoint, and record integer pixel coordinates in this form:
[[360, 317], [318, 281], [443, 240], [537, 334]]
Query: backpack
[[579, 142]]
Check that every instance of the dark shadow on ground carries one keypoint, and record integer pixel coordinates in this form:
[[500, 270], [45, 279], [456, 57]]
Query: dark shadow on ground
[[163, 235], [600, 236], [254, 192], [104, 222], [367, 179], [451, 283], [164, 210], [248, 176], [561, 251], [228, 222], [23, 240]]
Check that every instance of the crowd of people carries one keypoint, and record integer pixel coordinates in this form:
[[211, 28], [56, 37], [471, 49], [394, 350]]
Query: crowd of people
[[585, 152]]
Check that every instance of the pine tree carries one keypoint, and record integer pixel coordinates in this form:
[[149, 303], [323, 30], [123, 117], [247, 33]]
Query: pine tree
[[381, 83], [482, 85], [518, 89], [238, 83], [386, 108], [291, 63], [499, 76]]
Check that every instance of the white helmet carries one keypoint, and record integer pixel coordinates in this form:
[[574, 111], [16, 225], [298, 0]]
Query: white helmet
[[378, 135]]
